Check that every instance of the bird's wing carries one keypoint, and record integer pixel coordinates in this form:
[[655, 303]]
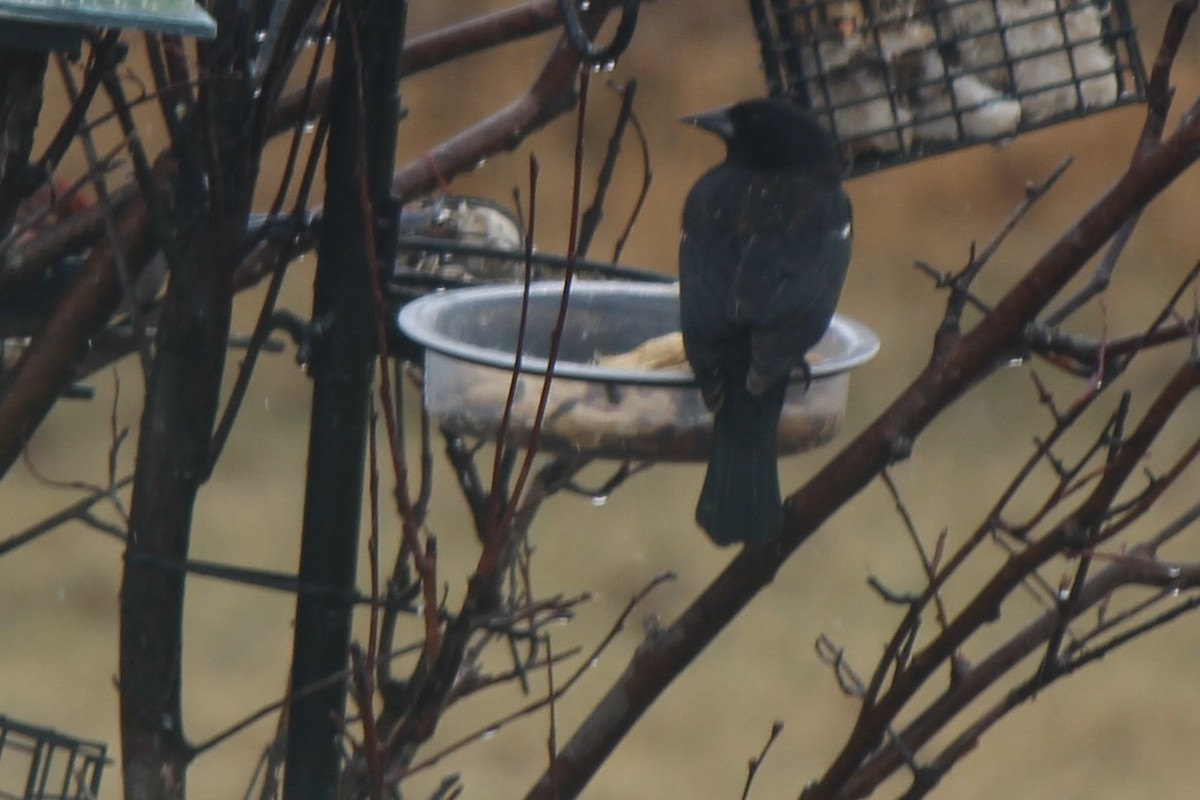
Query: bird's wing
[[711, 244], [764, 256], [790, 272]]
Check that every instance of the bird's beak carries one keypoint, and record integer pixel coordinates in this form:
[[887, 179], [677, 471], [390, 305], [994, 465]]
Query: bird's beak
[[716, 121]]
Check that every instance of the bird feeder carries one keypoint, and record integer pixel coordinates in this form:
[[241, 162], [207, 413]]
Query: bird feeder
[[896, 81], [621, 387], [59, 24], [40, 763]]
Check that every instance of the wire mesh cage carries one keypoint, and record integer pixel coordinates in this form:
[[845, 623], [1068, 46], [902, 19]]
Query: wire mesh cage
[[900, 80], [42, 764]]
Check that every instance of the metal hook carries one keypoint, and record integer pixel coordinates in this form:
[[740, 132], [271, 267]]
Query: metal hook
[[581, 41]]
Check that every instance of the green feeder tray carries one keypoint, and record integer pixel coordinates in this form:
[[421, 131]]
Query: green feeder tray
[[57, 24]]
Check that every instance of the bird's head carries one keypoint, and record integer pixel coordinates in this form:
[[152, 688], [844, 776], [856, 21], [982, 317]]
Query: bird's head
[[772, 134]]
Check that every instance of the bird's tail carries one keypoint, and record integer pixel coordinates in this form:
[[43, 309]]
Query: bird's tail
[[740, 501]]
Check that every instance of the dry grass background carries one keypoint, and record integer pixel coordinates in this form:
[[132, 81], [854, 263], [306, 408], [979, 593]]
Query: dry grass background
[[1124, 729]]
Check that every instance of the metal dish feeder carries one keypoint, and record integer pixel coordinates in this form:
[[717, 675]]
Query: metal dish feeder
[[621, 388]]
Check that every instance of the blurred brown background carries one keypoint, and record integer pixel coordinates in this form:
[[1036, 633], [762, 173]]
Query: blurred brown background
[[1125, 728]]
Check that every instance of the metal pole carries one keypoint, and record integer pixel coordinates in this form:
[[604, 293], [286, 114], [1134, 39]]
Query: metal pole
[[370, 37]]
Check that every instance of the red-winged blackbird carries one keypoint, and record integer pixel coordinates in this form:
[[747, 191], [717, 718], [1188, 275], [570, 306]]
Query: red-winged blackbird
[[766, 243]]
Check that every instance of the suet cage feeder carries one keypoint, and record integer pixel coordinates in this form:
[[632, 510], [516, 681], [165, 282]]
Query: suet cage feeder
[[896, 81], [43, 764]]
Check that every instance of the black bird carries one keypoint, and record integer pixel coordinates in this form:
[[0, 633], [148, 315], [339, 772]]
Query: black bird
[[766, 243]]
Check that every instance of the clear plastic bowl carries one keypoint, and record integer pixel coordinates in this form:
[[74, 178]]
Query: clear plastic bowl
[[594, 407]]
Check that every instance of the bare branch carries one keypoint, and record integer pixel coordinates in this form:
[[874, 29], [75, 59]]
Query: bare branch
[[75, 511], [756, 762], [926, 563], [542, 702]]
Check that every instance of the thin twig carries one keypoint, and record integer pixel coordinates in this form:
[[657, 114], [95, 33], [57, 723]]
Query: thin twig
[[75, 511], [499, 491], [755, 763], [552, 693], [471, 684], [595, 212], [302, 127], [960, 284], [532, 707], [96, 165], [943, 279], [489, 558], [1100, 279], [644, 191], [366, 671], [106, 53], [926, 563], [262, 327]]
